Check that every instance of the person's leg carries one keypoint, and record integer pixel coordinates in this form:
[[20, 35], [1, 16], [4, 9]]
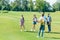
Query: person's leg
[[39, 31], [24, 27], [20, 27], [43, 30], [49, 28], [34, 27], [42, 33]]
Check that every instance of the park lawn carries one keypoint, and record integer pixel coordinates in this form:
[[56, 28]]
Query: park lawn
[[10, 27]]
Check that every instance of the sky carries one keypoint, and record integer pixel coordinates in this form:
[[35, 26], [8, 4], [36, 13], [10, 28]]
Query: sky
[[50, 1]]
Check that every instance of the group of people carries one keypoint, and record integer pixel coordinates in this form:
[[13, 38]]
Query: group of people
[[43, 20]]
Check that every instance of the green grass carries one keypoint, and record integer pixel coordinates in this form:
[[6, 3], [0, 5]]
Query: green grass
[[10, 27]]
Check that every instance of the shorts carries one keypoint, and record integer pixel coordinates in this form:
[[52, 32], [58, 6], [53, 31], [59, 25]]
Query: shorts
[[34, 22], [22, 23]]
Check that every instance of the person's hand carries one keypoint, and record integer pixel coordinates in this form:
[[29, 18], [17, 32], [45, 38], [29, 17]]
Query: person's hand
[[38, 21]]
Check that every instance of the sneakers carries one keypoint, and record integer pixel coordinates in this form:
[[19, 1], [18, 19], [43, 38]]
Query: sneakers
[[33, 30], [38, 36], [24, 30], [21, 30]]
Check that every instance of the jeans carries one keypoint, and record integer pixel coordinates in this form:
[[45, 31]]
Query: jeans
[[41, 30], [49, 28]]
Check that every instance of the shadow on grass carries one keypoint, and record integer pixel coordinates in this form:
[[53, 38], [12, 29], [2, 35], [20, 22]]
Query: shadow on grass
[[52, 37], [32, 31], [45, 32], [54, 32]]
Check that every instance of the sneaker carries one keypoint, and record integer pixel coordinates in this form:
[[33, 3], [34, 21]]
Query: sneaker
[[25, 30], [34, 30], [38, 36], [31, 30], [42, 36], [21, 30]]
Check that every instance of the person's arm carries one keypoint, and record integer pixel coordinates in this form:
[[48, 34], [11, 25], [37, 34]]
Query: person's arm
[[50, 19], [23, 19], [39, 20], [36, 19]]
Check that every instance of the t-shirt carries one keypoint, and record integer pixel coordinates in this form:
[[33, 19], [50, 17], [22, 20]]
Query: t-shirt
[[22, 19], [35, 19], [41, 19]]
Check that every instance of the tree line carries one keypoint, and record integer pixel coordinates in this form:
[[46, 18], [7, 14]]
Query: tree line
[[26, 5]]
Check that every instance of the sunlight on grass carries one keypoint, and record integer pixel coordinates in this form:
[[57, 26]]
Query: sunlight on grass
[[10, 27]]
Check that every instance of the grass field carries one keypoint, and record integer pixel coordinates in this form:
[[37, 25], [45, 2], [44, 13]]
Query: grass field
[[10, 27]]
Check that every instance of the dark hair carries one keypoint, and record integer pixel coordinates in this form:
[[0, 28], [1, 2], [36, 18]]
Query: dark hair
[[42, 14], [21, 15]]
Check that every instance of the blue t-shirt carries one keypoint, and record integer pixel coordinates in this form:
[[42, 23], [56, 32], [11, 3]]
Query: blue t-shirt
[[45, 19], [49, 19]]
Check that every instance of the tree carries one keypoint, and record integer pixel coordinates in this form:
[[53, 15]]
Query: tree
[[0, 4], [40, 4], [56, 6], [5, 3], [24, 5], [47, 7], [16, 5]]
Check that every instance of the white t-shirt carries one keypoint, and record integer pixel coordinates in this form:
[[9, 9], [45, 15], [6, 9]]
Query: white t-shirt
[[35, 19], [41, 18]]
